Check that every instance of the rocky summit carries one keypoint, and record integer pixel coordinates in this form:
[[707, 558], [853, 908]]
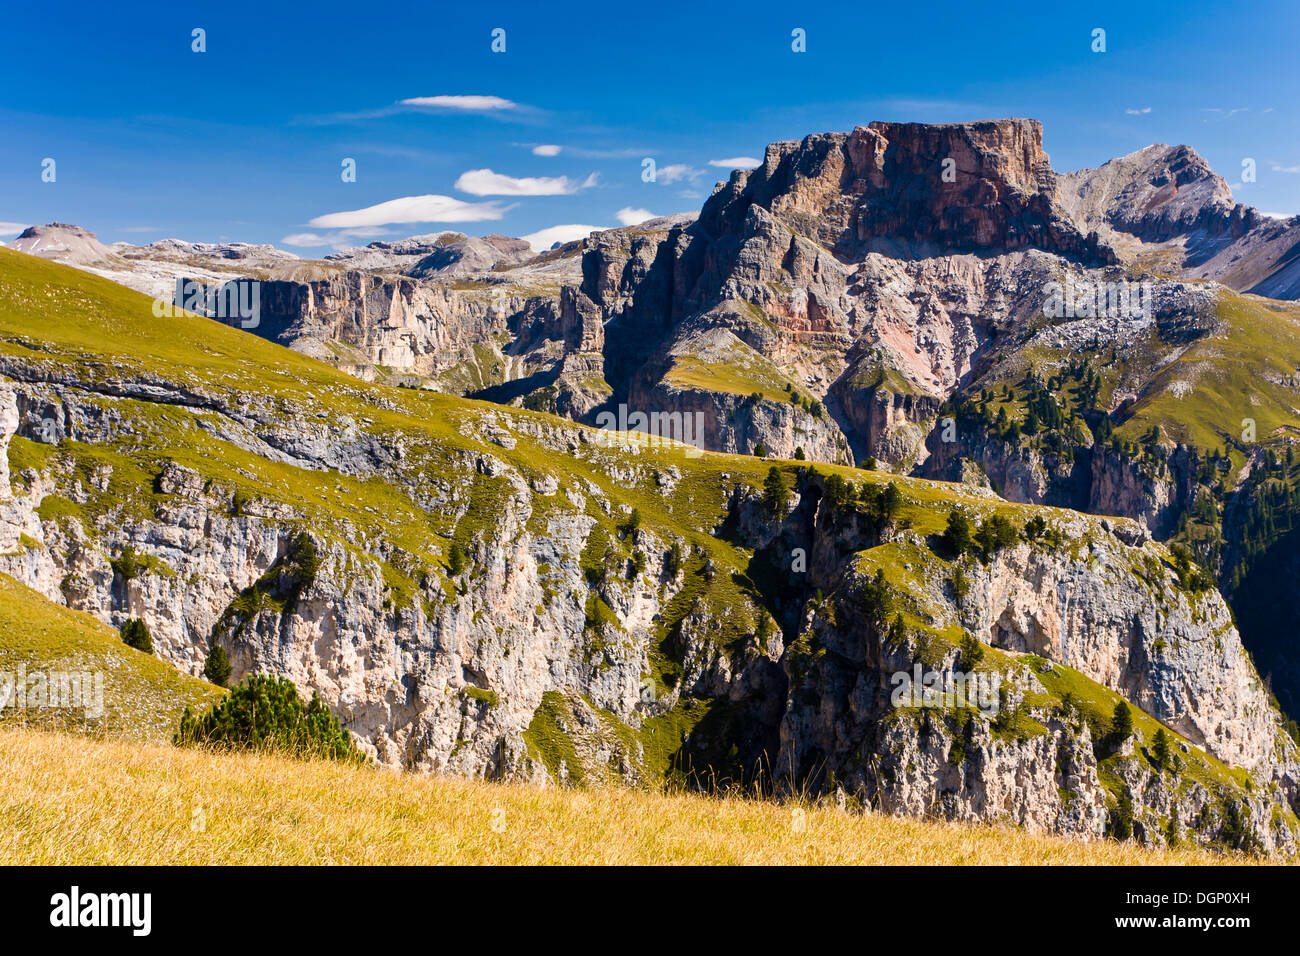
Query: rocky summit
[[909, 474]]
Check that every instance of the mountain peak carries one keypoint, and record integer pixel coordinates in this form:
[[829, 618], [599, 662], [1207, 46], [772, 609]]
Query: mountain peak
[[984, 185]]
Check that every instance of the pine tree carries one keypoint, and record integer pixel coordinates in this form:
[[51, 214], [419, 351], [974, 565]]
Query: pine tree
[[1122, 723], [776, 496], [957, 536], [1160, 749], [217, 668], [891, 499]]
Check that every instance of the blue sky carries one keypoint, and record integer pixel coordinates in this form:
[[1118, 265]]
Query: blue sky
[[245, 141]]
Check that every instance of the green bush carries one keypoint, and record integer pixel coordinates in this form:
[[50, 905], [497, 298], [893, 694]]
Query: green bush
[[127, 564], [135, 633], [266, 713]]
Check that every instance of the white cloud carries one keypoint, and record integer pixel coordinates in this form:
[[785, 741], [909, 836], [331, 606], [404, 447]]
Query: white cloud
[[1279, 215], [1285, 169], [543, 239], [306, 240], [675, 172], [410, 209], [11, 228], [484, 182], [474, 104], [737, 162], [1144, 110], [632, 217], [546, 149]]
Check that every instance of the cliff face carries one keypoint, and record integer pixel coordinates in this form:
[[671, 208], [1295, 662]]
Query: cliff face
[[572, 644], [1070, 630], [960, 186]]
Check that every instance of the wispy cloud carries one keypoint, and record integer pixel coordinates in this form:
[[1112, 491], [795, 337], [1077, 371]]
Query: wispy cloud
[[737, 162], [1224, 114], [11, 228], [1138, 112], [472, 104], [676, 173], [407, 209], [485, 182], [543, 239], [1284, 169], [480, 104], [339, 239], [581, 152], [631, 217], [306, 240]]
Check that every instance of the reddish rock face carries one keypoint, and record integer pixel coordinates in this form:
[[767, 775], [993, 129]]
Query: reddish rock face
[[962, 187]]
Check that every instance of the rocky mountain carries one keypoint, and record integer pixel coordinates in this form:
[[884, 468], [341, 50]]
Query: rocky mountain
[[1164, 208], [61, 242], [505, 593]]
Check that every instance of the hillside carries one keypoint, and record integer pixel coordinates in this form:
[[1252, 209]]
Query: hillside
[[264, 810], [500, 593], [141, 696]]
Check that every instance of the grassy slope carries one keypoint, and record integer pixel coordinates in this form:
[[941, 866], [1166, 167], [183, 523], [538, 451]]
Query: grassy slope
[[1199, 393], [143, 697], [148, 804]]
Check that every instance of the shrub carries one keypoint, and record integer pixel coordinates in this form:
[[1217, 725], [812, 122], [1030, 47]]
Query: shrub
[[996, 533], [127, 564], [799, 454], [266, 713], [135, 633], [760, 450], [217, 667], [1035, 528]]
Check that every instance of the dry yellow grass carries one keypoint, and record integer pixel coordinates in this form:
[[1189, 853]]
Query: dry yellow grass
[[66, 799]]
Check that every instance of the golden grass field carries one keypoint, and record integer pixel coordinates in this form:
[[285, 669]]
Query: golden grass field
[[69, 799]]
